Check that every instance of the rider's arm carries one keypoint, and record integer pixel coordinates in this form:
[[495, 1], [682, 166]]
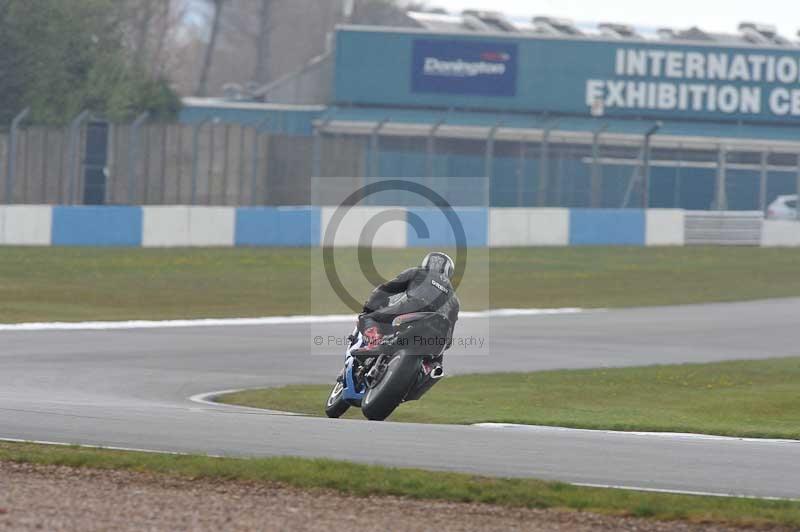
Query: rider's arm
[[380, 296], [452, 315]]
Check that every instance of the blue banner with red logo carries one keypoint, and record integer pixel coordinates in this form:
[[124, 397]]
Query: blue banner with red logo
[[464, 67]]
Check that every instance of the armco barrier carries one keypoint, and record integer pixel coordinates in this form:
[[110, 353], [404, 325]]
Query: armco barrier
[[780, 233], [278, 226], [515, 227], [726, 228], [97, 226], [604, 227], [26, 225], [474, 220]]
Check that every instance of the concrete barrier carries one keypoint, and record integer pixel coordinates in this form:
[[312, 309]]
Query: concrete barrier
[[179, 226], [391, 232], [26, 225], [607, 227], [165, 226], [212, 226], [515, 227], [278, 226], [780, 233], [665, 227], [97, 226], [438, 231]]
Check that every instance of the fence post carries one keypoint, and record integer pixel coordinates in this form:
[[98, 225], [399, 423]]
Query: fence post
[[488, 163], [521, 166], [646, 165], [374, 148], [596, 186], [133, 153], [316, 167], [256, 138], [762, 183], [74, 154], [12, 153], [720, 200], [240, 184], [195, 150], [430, 148], [797, 208], [544, 166]]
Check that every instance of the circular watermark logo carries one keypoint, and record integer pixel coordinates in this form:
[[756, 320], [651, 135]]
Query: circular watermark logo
[[370, 229]]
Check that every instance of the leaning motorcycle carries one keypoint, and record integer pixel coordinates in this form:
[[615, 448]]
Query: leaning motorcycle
[[403, 366]]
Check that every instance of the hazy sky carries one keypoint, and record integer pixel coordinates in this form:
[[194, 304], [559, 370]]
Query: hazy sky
[[714, 15]]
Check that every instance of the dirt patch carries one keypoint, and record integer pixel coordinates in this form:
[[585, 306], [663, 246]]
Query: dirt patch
[[61, 498]]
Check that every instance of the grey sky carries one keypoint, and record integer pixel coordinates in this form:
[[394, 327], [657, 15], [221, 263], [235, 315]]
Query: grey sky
[[712, 15]]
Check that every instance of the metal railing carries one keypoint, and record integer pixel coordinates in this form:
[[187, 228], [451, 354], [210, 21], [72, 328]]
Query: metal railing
[[213, 163]]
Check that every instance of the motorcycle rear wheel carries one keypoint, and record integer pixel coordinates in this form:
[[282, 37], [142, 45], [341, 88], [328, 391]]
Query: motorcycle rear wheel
[[384, 396]]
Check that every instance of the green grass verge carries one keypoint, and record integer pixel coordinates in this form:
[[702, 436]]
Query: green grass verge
[[365, 480], [742, 398], [74, 284]]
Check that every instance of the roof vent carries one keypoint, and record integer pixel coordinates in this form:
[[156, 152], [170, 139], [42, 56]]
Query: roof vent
[[666, 34], [761, 33], [474, 23], [556, 26], [618, 31], [493, 19], [437, 21]]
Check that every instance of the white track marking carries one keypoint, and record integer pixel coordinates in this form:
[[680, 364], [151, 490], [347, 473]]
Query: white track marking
[[208, 399], [272, 320], [678, 492], [582, 484], [99, 447], [670, 435]]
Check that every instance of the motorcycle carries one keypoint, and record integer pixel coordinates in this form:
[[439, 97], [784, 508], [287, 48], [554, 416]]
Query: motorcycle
[[402, 366]]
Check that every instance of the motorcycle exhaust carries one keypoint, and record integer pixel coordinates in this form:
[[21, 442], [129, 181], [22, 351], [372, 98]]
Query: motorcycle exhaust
[[425, 383]]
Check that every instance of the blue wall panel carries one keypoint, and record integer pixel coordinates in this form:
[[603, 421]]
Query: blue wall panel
[[475, 222], [598, 227], [97, 226], [278, 226]]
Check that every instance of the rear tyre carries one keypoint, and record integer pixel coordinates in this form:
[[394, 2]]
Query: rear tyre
[[336, 406], [381, 400]]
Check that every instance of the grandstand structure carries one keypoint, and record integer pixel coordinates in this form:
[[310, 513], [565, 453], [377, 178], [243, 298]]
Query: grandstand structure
[[553, 113]]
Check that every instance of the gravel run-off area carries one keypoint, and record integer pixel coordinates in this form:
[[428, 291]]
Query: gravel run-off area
[[61, 498]]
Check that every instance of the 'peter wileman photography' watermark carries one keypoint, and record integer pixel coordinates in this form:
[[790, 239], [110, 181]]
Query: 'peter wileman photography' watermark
[[366, 245]]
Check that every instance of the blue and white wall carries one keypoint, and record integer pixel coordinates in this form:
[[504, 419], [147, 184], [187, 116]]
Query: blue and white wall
[[180, 226]]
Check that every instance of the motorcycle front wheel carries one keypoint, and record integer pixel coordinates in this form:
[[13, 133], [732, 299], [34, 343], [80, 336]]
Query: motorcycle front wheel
[[336, 406], [385, 395]]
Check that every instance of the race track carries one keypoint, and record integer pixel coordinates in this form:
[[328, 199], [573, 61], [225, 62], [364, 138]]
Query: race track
[[131, 389]]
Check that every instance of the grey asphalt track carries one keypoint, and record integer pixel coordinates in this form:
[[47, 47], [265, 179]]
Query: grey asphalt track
[[131, 388]]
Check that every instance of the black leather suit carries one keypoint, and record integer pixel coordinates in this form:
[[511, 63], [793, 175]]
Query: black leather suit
[[425, 291]]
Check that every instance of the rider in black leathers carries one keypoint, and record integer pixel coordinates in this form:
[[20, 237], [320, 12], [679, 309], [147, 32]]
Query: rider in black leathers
[[426, 288]]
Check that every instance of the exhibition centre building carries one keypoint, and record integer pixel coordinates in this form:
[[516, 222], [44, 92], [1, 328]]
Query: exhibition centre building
[[553, 114]]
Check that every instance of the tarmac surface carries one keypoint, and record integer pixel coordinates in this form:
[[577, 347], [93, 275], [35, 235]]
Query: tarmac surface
[[131, 388]]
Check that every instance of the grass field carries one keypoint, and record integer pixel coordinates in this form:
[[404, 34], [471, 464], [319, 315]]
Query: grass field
[[74, 284], [742, 398], [365, 480]]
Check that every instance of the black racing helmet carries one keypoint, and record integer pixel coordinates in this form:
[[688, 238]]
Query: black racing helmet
[[439, 262]]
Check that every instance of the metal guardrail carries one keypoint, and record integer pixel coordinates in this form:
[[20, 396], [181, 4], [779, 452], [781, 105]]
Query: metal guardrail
[[729, 228]]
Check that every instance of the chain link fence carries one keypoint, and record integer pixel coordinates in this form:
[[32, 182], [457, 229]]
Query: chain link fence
[[154, 164], [210, 163]]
